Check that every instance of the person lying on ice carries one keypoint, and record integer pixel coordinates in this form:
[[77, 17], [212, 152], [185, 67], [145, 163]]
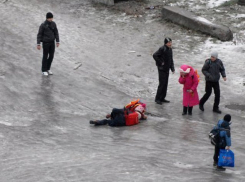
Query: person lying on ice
[[129, 115]]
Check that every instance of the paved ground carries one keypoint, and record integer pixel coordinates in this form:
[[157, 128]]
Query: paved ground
[[105, 61]]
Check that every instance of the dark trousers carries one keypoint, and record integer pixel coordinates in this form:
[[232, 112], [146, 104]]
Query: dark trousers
[[208, 90], [216, 154], [48, 55], [163, 85], [117, 118]]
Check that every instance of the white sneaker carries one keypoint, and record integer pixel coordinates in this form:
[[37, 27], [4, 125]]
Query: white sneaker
[[50, 72], [45, 73]]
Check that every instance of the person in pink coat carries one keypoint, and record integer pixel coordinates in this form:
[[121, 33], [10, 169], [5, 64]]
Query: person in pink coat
[[189, 79]]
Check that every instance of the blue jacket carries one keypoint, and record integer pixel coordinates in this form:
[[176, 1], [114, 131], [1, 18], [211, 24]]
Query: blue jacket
[[222, 124]]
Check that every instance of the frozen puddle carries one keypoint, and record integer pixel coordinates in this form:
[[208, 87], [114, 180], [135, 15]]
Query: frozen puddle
[[183, 166]]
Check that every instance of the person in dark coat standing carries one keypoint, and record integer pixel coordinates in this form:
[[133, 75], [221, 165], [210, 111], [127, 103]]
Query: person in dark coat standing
[[47, 34], [164, 62], [212, 69]]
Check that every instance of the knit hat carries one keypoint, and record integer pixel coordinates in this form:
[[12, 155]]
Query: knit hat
[[49, 15], [214, 54], [166, 40], [227, 117]]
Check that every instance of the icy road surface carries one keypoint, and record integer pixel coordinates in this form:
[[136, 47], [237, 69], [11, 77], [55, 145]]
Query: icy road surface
[[104, 61]]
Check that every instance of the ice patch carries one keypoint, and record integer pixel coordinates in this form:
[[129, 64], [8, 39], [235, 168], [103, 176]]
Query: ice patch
[[240, 16], [5, 123], [184, 166], [228, 171], [215, 3], [172, 152], [203, 20], [63, 130]]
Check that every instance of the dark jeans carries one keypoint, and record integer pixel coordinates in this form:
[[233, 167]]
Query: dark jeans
[[117, 118], [48, 55], [163, 85], [208, 90], [216, 154]]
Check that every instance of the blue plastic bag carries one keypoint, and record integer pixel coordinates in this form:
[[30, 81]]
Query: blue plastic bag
[[226, 158]]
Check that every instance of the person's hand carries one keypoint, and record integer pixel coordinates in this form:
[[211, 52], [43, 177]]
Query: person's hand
[[190, 91], [224, 78], [57, 44], [144, 117], [39, 47], [227, 147]]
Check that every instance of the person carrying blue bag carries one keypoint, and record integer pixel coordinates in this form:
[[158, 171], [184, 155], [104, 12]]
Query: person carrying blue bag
[[224, 139]]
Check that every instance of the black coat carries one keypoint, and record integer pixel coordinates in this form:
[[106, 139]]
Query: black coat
[[213, 69], [164, 59], [48, 32]]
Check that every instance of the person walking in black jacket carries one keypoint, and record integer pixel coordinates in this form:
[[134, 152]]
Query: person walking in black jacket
[[212, 69], [47, 34], [164, 62]]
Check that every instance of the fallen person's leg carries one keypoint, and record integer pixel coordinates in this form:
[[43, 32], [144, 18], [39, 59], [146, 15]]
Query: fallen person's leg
[[99, 122]]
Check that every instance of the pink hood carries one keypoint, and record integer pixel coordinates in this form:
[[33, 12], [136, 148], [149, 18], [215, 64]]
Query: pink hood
[[187, 69]]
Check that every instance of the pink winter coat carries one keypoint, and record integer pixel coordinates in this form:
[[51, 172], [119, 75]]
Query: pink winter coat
[[190, 82]]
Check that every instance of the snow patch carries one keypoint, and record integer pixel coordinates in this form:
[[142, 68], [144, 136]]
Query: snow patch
[[5, 123], [232, 172], [184, 166], [203, 20], [240, 16], [215, 3]]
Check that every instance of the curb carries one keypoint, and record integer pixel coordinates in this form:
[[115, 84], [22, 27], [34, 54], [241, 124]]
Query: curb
[[192, 21]]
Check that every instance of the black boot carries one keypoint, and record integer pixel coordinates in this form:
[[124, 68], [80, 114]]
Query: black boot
[[166, 101], [95, 122], [184, 110], [190, 110], [220, 168], [158, 102], [201, 107], [215, 164], [217, 110]]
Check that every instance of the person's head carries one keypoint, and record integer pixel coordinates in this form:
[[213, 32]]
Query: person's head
[[49, 16], [227, 118], [184, 70], [168, 42], [226, 124], [214, 56]]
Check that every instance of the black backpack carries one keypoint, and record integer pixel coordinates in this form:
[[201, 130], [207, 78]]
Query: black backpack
[[215, 138]]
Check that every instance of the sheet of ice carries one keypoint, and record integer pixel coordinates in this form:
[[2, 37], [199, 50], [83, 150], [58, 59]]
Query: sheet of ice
[[240, 16], [214, 3], [45, 132], [203, 20]]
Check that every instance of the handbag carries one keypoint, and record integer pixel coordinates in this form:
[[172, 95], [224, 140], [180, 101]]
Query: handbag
[[226, 158]]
